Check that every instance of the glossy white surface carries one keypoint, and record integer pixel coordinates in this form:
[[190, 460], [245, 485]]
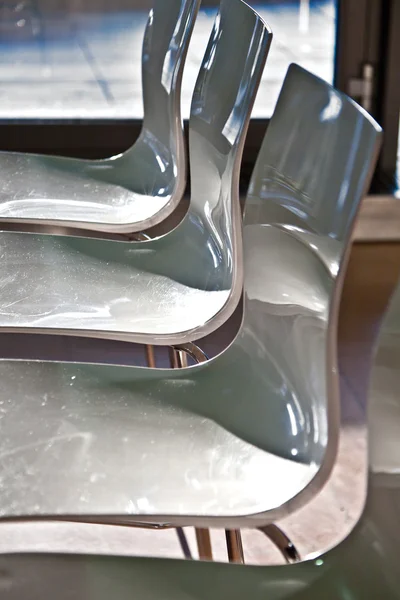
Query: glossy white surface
[[59, 284], [363, 567], [125, 193], [181, 286], [113, 452]]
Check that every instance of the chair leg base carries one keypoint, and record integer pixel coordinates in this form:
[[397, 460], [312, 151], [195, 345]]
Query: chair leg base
[[203, 540], [234, 546], [282, 542]]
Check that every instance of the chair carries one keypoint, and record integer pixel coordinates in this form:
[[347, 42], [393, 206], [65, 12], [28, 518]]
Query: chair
[[185, 284], [364, 566], [251, 435], [134, 190]]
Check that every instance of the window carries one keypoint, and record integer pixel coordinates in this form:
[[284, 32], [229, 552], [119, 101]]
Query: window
[[80, 59], [72, 64]]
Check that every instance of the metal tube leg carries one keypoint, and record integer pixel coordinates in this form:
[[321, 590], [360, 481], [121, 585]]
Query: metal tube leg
[[178, 358], [183, 543], [203, 540], [183, 359], [192, 350], [150, 358], [234, 546], [173, 358], [282, 542]]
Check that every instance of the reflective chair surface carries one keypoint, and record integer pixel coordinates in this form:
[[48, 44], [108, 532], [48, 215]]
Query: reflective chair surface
[[363, 567], [246, 437], [125, 193], [175, 288]]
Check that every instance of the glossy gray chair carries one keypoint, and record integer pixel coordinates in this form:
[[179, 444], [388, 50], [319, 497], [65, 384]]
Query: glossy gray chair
[[134, 190], [181, 286], [363, 567], [244, 438]]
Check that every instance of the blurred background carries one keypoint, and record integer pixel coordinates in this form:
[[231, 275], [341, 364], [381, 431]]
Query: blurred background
[[78, 62]]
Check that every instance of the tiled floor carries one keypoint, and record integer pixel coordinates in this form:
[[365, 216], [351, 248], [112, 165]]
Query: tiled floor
[[67, 62], [371, 275]]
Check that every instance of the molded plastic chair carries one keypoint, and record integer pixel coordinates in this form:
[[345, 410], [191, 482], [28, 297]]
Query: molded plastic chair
[[125, 193], [363, 567], [176, 288], [244, 438]]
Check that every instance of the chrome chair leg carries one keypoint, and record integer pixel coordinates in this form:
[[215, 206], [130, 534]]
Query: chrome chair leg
[[282, 542], [203, 540], [182, 359], [234, 546], [193, 351], [150, 357], [184, 543], [173, 358]]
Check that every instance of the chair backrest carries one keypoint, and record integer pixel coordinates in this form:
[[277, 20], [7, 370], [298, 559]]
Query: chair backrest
[[314, 166], [165, 45], [220, 113], [156, 164], [223, 98], [225, 90], [314, 160], [280, 375]]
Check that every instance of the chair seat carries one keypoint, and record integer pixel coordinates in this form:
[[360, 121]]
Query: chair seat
[[234, 438], [76, 193], [140, 292], [86, 440], [60, 286]]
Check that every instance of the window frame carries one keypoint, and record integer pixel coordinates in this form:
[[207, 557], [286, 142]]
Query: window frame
[[366, 34]]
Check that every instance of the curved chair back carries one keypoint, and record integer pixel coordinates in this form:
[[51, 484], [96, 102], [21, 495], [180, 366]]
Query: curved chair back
[[314, 160], [180, 286], [313, 169], [156, 163], [222, 103], [221, 107], [165, 45]]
